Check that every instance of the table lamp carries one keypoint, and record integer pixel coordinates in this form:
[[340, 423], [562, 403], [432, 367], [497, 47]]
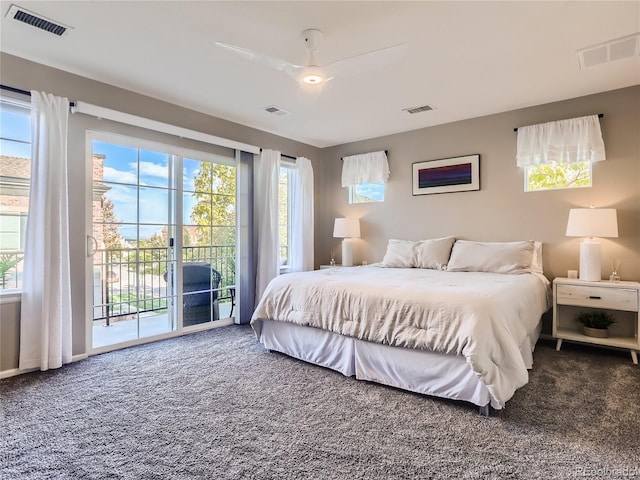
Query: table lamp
[[591, 222], [347, 228]]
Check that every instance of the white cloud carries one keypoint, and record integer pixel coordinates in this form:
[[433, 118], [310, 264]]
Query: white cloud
[[152, 169], [113, 175]]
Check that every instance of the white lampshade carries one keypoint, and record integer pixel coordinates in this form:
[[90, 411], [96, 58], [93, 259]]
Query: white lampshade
[[346, 228], [591, 222]]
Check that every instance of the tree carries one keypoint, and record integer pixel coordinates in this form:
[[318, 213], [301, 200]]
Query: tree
[[152, 253], [110, 234], [558, 175], [215, 208]]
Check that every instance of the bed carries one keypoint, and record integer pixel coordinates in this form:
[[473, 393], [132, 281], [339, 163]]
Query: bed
[[448, 331]]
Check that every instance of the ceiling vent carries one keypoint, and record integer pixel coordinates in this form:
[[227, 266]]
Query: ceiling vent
[[412, 110], [36, 20], [275, 110], [624, 47]]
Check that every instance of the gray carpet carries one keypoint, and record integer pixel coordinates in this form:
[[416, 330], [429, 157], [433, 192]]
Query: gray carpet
[[216, 405]]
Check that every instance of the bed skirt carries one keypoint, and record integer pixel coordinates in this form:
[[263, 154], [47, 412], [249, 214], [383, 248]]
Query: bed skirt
[[420, 371]]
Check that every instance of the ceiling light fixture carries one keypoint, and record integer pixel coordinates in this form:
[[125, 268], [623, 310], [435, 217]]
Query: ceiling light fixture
[[312, 79], [312, 75]]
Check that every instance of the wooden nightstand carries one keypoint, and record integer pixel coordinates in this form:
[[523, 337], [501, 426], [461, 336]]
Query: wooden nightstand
[[572, 296]]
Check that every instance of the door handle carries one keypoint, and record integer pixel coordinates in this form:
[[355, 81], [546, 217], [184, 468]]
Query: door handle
[[92, 245]]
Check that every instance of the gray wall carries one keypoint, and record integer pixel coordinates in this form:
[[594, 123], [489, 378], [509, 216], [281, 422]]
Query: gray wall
[[26, 75], [501, 210]]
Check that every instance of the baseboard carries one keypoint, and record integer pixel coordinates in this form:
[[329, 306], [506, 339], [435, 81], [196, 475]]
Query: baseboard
[[16, 371]]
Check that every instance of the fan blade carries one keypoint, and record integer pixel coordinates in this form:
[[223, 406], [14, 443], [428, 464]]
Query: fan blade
[[366, 62], [261, 58]]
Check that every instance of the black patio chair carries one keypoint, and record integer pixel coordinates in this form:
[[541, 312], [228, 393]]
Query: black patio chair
[[199, 292]]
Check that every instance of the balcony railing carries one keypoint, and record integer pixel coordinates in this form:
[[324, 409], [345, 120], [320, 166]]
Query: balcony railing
[[135, 280]]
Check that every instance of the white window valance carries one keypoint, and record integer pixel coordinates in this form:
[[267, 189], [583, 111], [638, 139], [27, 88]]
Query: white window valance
[[563, 141], [365, 168]]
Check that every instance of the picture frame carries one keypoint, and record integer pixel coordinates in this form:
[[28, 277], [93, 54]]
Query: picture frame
[[456, 174]]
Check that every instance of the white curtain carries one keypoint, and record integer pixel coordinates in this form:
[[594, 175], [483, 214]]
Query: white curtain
[[302, 216], [45, 323], [563, 141], [265, 181], [365, 168]]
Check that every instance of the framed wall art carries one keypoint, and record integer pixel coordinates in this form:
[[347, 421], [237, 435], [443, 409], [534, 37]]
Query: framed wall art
[[458, 174]]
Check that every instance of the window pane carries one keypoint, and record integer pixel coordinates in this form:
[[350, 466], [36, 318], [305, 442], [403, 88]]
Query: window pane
[[556, 176], [154, 169], [284, 214], [366, 193], [154, 205], [120, 163], [15, 174], [124, 199]]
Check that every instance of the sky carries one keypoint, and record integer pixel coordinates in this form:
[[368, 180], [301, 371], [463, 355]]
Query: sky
[[124, 167], [16, 126]]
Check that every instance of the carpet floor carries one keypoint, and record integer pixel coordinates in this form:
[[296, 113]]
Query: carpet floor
[[217, 405]]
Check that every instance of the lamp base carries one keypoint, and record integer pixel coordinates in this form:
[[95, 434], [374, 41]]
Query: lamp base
[[347, 252], [590, 264]]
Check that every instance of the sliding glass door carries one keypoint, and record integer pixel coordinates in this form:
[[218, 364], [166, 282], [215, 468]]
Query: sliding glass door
[[162, 240]]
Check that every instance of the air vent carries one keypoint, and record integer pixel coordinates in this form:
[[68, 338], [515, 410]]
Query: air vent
[[623, 47], [412, 110], [35, 20], [275, 110]]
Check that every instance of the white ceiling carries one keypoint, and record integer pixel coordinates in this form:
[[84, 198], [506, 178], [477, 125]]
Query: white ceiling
[[466, 59]]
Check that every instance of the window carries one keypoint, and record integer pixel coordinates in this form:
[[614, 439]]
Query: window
[[284, 214], [553, 176], [559, 154], [366, 193], [15, 172], [365, 174], [153, 206]]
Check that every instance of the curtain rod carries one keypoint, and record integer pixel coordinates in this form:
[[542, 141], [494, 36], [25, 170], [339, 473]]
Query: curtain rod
[[116, 116], [24, 92], [150, 124], [15, 90], [600, 115], [386, 152], [283, 155]]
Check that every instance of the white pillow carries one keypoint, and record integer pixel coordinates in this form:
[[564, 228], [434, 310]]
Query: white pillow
[[493, 257], [399, 254], [536, 261], [434, 253]]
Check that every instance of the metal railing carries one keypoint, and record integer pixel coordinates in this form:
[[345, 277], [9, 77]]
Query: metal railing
[[130, 281]]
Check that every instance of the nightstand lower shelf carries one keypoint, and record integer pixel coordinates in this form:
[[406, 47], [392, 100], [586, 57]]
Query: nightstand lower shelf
[[626, 343]]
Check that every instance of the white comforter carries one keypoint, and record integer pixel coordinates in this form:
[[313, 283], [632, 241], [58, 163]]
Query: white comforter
[[488, 318]]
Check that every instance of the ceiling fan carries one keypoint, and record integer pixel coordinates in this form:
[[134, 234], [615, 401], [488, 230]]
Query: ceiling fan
[[313, 74]]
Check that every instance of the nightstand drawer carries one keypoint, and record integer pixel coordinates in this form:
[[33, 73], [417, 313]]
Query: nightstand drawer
[[598, 297]]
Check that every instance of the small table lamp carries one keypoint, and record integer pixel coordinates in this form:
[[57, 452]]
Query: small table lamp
[[347, 228], [591, 222]]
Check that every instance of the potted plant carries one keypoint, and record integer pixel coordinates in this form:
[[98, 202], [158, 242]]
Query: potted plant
[[8, 262], [595, 324]]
